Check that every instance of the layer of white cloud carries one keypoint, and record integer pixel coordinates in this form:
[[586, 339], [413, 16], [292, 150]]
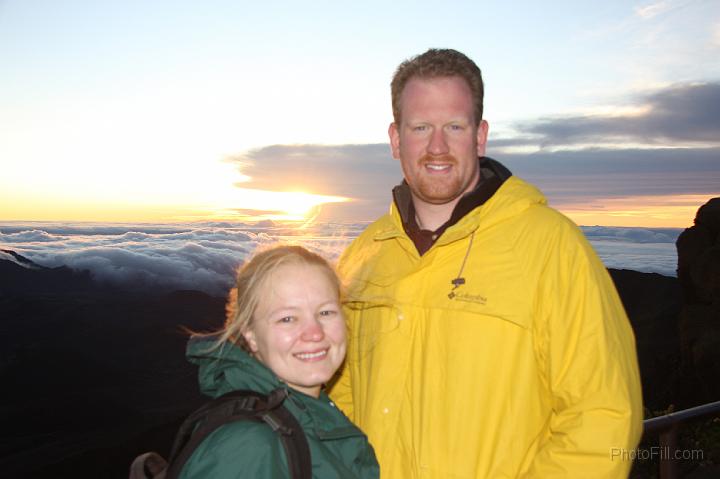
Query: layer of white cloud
[[204, 256], [650, 250], [196, 256], [632, 235]]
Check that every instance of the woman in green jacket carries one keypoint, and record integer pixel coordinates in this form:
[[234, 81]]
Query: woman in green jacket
[[284, 329]]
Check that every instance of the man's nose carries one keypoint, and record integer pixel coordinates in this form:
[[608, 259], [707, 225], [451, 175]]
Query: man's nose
[[312, 330], [438, 145]]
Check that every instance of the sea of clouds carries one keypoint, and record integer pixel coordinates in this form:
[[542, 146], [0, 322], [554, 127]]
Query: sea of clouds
[[649, 250], [204, 256], [173, 256]]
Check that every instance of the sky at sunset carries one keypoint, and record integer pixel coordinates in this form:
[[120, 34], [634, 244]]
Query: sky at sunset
[[224, 110]]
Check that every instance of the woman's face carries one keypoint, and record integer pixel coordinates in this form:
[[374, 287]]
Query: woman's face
[[298, 329]]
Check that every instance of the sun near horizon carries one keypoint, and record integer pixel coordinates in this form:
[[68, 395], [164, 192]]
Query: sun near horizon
[[243, 204], [250, 205]]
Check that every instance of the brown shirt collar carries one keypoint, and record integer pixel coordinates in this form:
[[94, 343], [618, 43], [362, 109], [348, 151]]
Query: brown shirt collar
[[492, 175]]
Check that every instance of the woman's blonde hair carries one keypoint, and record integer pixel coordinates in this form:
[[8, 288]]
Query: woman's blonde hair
[[253, 276]]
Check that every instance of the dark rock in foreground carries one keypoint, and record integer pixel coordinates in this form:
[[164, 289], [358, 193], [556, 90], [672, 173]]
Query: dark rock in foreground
[[91, 376], [699, 273], [653, 302]]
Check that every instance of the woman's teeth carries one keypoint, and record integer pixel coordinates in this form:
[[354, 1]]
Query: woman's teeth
[[311, 355]]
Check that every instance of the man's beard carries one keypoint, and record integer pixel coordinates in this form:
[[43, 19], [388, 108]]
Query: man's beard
[[439, 190]]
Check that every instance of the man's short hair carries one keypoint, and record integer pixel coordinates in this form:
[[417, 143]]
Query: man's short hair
[[436, 63]]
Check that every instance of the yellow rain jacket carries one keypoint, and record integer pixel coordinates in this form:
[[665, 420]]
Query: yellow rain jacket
[[526, 369]]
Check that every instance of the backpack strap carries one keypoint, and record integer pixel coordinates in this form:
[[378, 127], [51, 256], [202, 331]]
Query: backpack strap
[[243, 405]]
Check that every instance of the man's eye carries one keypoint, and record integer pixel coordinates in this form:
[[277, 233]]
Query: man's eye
[[419, 128], [456, 127]]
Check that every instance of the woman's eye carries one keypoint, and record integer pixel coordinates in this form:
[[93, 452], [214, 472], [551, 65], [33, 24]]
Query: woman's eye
[[286, 319], [328, 312]]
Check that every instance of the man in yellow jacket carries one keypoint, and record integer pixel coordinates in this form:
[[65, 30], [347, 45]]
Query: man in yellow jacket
[[486, 338]]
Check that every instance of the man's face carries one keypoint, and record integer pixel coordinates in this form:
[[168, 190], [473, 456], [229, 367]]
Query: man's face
[[437, 141]]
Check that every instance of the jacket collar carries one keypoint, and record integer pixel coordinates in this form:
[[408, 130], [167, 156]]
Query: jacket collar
[[229, 368], [492, 175]]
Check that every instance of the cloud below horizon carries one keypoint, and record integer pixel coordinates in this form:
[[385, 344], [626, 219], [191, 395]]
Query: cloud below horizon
[[183, 256], [205, 256]]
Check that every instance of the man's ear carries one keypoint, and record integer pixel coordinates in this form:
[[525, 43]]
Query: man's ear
[[394, 135], [482, 134]]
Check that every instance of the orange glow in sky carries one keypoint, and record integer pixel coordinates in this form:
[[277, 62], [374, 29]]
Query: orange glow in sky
[[252, 205], [235, 204], [648, 211]]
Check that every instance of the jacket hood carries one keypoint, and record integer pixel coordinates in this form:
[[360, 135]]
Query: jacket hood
[[228, 368], [514, 197], [337, 447]]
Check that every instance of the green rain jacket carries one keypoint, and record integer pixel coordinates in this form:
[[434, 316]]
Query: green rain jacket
[[245, 449]]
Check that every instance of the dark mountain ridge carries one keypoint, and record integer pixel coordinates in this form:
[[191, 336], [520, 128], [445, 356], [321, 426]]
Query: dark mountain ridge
[[90, 372], [23, 261], [25, 276]]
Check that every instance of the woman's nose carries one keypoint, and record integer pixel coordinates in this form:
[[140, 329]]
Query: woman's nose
[[312, 330]]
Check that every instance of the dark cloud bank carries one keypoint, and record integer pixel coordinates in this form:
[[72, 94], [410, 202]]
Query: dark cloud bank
[[679, 131], [365, 173], [685, 113]]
